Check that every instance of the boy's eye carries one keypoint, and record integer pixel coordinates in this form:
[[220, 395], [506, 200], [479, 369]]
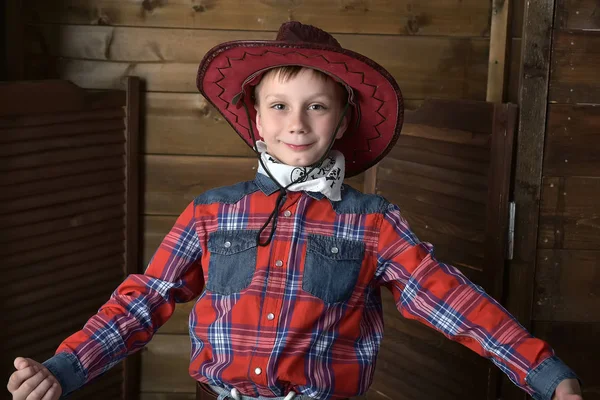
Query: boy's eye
[[317, 107], [278, 106]]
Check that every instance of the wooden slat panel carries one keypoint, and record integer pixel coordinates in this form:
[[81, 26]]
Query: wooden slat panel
[[34, 243], [60, 156], [567, 286], [64, 196], [46, 186], [429, 67], [105, 248], [574, 78], [577, 15], [576, 344], [22, 134], [173, 181], [572, 145], [73, 210], [165, 362], [46, 172], [436, 17], [60, 118], [59, 225]]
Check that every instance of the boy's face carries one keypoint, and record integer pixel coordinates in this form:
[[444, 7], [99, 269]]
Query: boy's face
[[296, 118]]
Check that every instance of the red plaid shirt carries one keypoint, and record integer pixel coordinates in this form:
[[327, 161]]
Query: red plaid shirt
[[303, 313]]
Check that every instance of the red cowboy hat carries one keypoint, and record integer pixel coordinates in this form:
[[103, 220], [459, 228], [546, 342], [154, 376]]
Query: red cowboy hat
[[229, 71]]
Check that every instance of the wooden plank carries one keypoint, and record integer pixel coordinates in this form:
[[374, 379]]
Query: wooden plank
[[165, 362], [516, 18], [168, 60], [436, 17], [498, 51], [20, 134], [567, 288], [173, 181], [185, 123], [65, 170], [155, 229], [533, 99], [569, 213], [577, 15], [575, 343], [575, 57], [512, 95], [573, 141]]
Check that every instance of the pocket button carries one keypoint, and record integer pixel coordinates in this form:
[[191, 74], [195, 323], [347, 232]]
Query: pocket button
[[335, 250], [227, 245]]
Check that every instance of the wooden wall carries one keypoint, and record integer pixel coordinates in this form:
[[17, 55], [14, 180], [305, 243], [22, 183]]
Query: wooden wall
[[434, 48], [566, 307]]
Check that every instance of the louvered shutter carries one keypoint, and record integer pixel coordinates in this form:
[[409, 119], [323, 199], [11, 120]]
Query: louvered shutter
[[449, 173], [68, 216]]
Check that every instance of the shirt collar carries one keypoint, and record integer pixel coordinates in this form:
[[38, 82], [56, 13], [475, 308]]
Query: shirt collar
[[268, 186]]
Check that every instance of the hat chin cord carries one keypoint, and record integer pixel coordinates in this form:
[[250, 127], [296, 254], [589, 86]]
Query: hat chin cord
[[283, 190]]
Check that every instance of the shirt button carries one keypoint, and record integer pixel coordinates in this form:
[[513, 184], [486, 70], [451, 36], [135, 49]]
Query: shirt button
[[227, 245], [334, 250], [278, 263], [270, 316], [257, 371], [287, 213]]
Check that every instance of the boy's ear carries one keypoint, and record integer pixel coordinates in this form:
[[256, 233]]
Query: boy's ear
[[258, 121], [343, 126]]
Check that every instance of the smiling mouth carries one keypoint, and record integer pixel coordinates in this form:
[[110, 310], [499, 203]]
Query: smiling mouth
[[298, 147]]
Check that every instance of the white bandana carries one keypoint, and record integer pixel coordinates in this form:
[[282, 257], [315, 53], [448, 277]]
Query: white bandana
[[326, 179]]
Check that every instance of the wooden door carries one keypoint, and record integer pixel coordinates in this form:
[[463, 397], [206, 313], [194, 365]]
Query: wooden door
[[450, 175], [68, 216]]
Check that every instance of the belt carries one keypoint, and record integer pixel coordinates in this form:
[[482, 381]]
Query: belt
[[207, 392]]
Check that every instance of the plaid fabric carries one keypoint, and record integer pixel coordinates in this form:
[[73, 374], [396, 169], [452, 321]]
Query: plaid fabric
[[303, 313]]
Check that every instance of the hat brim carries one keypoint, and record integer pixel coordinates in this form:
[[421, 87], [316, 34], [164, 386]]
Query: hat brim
[[378, 109]]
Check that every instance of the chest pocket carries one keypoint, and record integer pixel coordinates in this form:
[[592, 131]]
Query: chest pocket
[[232, 261], [331, 267]]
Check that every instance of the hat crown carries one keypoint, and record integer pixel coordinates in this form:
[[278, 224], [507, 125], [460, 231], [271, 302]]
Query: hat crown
[[295, 32]]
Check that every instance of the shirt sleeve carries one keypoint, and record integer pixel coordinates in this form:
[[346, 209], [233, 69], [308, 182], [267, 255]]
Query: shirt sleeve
[[440, 296], [135, 310]]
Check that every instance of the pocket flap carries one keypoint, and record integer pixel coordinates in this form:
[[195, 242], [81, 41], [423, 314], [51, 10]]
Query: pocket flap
[[231, 242], [336, 248]]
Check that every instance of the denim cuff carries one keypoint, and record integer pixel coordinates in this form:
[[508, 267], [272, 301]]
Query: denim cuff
[[68, 371], [546, 376]]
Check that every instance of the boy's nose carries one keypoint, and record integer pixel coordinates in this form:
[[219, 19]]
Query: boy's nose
[[297, 123]]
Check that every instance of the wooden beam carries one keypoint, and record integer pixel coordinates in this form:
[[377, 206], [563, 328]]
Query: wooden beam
[[498, 51], [533, 100], [13, 36]]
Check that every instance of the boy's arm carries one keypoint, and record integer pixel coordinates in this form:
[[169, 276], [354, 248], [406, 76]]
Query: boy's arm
[[136, 309], [440, 296]]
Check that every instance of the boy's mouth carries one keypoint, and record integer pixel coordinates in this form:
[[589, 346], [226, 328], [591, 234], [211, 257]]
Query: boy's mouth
[[298, 147]]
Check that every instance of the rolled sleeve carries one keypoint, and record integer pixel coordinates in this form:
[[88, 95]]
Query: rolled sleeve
[[544, 378]]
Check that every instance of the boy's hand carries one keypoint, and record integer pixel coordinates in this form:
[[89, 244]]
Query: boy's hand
[[568, 389], [32, 381]]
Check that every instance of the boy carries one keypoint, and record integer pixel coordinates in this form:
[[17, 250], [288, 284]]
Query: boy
[[289, 285]]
